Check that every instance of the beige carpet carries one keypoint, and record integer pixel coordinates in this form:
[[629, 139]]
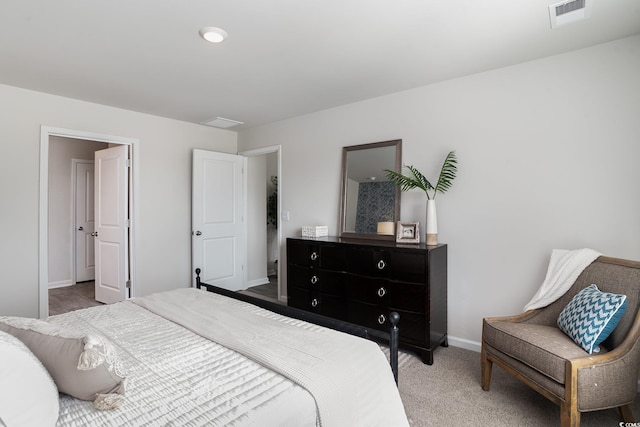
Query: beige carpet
[[448, 393]]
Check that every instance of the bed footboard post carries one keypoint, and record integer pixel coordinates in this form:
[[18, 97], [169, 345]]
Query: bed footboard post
[[393, 344], [198, 283]]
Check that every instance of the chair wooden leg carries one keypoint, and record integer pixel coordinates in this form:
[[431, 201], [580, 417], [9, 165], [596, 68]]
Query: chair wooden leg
[[485, 370], [626, 413], [569, 415]]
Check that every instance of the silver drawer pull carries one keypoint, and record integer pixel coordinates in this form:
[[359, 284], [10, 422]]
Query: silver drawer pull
[[314, 256], [381, 264], [314, 303], [314, 279], [382, 319], [382, 292]]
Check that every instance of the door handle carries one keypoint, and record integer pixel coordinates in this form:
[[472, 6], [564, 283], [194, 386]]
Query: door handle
[[198, 233], [80, 228], [94, 234]]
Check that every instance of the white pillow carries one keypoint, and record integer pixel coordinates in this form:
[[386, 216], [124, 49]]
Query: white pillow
[[86, 367], [28, 396]]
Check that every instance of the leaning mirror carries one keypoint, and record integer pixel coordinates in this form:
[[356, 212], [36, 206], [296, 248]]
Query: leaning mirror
[[370, 203]]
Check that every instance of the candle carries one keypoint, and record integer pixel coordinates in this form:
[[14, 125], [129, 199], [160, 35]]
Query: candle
[[386, 227]]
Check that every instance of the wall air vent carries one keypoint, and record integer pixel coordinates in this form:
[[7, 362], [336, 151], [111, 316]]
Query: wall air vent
[[567, 12]]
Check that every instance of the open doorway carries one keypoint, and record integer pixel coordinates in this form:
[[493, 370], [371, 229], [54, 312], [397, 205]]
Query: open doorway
[[71, 224], [58, 223], [263, 212]]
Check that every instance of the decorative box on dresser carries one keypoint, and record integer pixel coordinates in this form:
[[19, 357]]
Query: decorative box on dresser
[[362, 281]]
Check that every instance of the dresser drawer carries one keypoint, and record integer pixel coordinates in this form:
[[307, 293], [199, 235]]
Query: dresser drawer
[[316, 302], [312, 254], [406, 266], [412, 325], [330, 282], [395, 295], [363, 281]]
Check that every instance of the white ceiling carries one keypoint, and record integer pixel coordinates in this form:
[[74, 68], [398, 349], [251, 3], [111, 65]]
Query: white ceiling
[[283, 58]]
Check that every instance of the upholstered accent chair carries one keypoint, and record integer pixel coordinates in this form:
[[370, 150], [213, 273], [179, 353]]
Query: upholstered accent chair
[[531, 347]]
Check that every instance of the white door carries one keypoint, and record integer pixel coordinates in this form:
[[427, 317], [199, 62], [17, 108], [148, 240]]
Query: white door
[[111, 224], [84, 226], [219, 230]]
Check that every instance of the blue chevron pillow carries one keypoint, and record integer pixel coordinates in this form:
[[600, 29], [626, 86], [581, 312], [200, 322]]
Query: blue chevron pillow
[[591, 316]]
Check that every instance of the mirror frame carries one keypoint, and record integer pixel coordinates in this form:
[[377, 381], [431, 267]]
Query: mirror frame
[[397, 143]]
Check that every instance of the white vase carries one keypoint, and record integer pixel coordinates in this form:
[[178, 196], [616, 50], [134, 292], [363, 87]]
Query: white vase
[[432, 224]]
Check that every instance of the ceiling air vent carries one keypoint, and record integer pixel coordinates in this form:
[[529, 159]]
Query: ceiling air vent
[[221, 122], [569, 11]]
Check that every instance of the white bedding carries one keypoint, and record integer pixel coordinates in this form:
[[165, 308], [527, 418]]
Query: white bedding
[[349, 377], [178, 378]]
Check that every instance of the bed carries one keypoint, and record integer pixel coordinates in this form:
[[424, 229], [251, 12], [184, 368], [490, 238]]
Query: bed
[[224, 361]]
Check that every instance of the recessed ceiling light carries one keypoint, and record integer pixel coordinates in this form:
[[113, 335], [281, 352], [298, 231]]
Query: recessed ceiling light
[[213, 34]]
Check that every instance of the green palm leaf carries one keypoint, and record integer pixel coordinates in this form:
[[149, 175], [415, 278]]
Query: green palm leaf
[[447, 173], [415, 179], [408, 182]]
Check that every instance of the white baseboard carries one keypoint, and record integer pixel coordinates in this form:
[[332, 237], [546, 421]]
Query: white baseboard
[[464, 343], [60, 284]]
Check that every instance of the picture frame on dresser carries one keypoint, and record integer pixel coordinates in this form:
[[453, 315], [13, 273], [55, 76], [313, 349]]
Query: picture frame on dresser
[[408, 232]]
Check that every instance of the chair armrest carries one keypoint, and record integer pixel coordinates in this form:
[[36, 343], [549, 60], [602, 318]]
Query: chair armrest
[[516, 318], [619, 367]]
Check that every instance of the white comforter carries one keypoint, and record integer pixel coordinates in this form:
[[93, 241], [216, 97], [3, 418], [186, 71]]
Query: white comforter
[[349, 377], [178, 378]]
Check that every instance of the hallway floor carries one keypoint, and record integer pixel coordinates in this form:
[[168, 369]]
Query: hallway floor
[[267, 291], [82, 295], [70, 298]]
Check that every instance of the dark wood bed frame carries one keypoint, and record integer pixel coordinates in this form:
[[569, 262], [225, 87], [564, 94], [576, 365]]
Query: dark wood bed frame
[[391, 337]]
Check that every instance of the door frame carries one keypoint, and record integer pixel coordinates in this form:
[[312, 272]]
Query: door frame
[[43, 229], [277, 149]]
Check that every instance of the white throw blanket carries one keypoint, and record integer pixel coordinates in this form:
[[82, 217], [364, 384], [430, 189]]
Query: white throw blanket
[[349, 377], [564, 268]]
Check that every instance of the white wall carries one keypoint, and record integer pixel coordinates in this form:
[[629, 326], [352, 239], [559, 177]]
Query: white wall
[[548, 158], [256, 221], [273, 250], [261, 238], [163, 203], [61, 152]]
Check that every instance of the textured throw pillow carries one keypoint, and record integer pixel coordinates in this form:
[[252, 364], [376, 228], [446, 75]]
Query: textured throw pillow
[[82, 366], [28, 396], [591, 316]]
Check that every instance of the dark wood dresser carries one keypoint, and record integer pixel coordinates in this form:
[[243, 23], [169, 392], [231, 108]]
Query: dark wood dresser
[[362, 281]]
